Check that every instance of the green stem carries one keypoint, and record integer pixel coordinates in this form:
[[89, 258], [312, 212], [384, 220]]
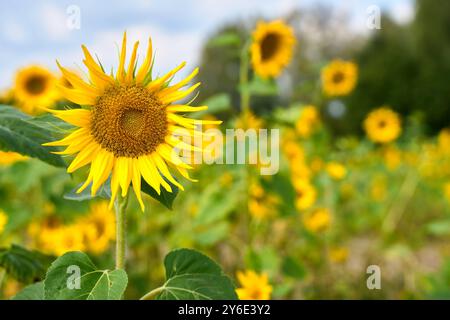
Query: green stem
[[152, 294], [121, 207], [243, 80]]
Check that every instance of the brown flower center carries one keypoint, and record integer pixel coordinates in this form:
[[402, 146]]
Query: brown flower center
[[270, 46], [36, 84], [338, 77], [129, 121]]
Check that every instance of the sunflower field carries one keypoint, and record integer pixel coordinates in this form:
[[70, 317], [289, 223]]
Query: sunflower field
[[295, 163]]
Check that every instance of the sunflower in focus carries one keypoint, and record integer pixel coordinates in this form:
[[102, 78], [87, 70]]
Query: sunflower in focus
[[339, 78], [383, 125], [7, 158], [272, 47], [128, 127], [253, 286], [35, 88]]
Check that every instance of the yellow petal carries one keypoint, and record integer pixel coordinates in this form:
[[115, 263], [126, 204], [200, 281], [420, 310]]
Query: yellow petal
[[84, 157], [149, 172], [132, 64], [161, 165], [76, 117], [121, 70], [145, 67], [184, 108], [136, 179], [157, 83]]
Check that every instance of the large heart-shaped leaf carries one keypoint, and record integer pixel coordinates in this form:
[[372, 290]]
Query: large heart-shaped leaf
[[93, 284], [193, 276], [34, 291], [25, 135], [24, 265]]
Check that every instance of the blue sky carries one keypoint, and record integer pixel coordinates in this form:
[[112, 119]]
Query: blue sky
[[37, 32]]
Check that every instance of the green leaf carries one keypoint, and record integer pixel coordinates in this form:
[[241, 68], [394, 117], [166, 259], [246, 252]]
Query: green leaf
[[166, 198], [439, 228], [25, 135], [24, 265], [34, 291], [103, 192], [60, 282], [218, 103], [262, 87], [225, 40], [293, 268], [193, 276]]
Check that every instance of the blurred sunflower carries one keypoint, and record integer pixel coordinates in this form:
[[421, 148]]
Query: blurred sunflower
[[444, 140], [3, 220], [447, 191], [129, 126], [98, 227], [383, 125], [253, 286], [339, 77], [272, 47], [336, 170], [306, 194], [307, 122], [317, 220], [35, 88], [7, 158], [338, 254]]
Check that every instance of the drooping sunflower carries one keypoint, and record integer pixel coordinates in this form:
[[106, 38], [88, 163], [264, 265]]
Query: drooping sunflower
[[272, 47], [128, 126], [35, 88], [339, 78], [383, 125]]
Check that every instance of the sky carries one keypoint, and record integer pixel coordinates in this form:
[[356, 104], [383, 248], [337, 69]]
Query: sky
[[40, 32]]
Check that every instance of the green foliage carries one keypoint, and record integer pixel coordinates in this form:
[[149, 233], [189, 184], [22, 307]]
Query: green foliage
[[193, 276], [34, 291], [94, 284], [25, 135], [24, 265]]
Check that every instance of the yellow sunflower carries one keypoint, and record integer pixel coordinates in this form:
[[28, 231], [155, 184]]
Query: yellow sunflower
[[128, 126], [253, 286], [339, 78], [317, 221], [98, 227], [308, 121], [271, 50], [3, 220], [7, 158], [383, 125], [306, 194], [336, 170], [35, 88]]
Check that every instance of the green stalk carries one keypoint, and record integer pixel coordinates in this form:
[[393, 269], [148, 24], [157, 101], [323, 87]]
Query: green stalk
[[121, 207]]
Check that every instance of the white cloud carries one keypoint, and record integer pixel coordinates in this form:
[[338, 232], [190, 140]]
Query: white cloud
[[403, 12], [54, 21]]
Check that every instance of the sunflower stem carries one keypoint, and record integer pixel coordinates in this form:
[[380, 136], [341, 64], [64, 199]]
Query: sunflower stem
[[121, 207]]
